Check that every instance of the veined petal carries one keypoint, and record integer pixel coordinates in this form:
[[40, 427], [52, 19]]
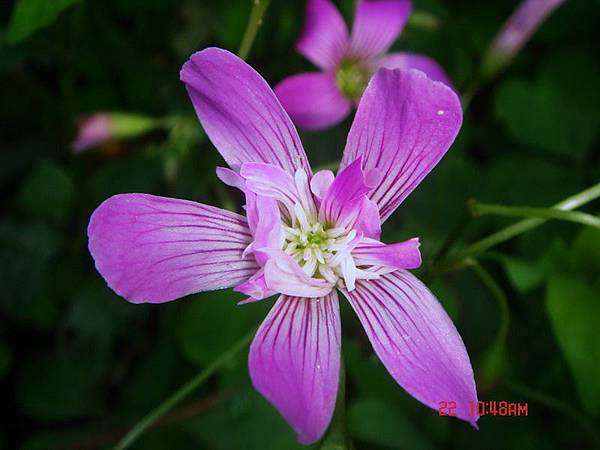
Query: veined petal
[[368, 221], [415, 340], [313, 100], [403, 255], [324, 39], [270, 181], [405, 60], [343, 200], [404, 125], [284, 275], [294, 362], [256, 287], [320, 184], [155, 249], [268, 232], [240, 113], [377, 24], [262, 213]]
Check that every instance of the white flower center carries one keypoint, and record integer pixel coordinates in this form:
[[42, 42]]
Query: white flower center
[[320, 251]]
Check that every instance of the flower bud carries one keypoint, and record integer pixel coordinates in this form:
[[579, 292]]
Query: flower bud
[[99, 128]]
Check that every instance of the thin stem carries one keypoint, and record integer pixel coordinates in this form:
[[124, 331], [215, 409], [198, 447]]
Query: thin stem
[[336, 437], [498, 294], [422, 20], [259, 7], [182, 392], [557, 405], [481, 209], [457, 260]]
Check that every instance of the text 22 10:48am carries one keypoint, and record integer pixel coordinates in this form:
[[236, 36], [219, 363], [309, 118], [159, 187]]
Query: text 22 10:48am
[[482, 408]]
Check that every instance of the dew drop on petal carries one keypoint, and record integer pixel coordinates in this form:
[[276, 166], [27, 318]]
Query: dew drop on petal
[[440, 112]]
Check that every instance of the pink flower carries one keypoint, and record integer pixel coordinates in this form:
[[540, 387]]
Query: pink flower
[[92, 131], [318, 100], [304, 237], [516, 32]]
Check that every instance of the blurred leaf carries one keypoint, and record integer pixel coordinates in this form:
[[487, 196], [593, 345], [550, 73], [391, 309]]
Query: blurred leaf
[[30, 15], [585, 252], [543, 114], [5, 359], [153, 381], [213, 322], [25, 252], [574, 309], [446, 296], [524, 274], [56, 388], [376, 422], [47, 192], [133, 173], [52, 439], [493, 366], [256, 423]]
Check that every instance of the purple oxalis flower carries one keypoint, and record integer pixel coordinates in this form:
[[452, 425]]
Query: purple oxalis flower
[[517, 30], [304, 237], [320, 99]]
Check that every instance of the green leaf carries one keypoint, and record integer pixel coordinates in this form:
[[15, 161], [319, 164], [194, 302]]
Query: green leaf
[[585, 252], [574, 309], [376, 422], [213, 322], [63, 392], [47, 192], [247, 421], [31, 15], [5, 359], [544, 115], [523, 274]]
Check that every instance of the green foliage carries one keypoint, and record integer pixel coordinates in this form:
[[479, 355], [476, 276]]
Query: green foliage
[[543, 115], [48, 192], [212, 322], [31, 15], [376, 422], [573, 308]]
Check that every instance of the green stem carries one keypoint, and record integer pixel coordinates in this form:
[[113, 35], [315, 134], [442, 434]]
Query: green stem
[[182, 392], [259, 7], [457, 260], [481, 209], [498, 295], [337, 436], [557, 405], [421, 20]]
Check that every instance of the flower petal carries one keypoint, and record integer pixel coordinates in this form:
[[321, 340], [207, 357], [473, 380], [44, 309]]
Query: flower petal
[[344, 199], [313, 100], [320, 184], [240, 113], [295, 361], [270, 181], [284, 275], [404, 125], [405, 60], [324, 39], [155, 249], [377, 24], [256, 287], [403, 255], [415, 340]]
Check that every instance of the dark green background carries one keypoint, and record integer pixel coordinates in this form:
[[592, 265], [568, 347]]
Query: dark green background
[[78, 365]]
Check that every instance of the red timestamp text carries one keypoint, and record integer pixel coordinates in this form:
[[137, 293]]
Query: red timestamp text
[[485, 408]]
